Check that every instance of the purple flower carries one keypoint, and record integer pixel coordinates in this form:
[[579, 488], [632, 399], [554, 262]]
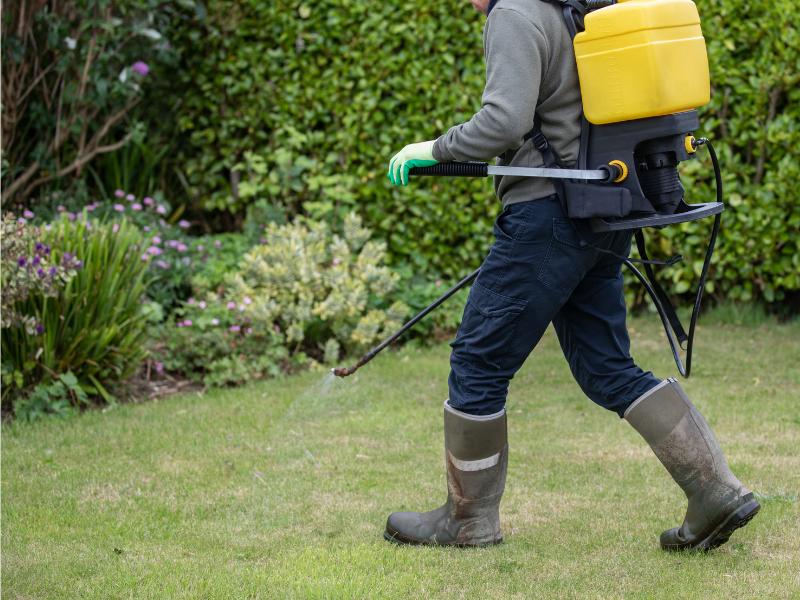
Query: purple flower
[[202, 304], [119, 193], [22, 261], [27, 214], [163, 264], [234, 328], [39, 246], [215, 321], [156, 240], [40, 272], [146, 228], [159, 367], [187, 323], [22, 221], [184, 224], [145, 257], [78, 264], [47, 250], [190, 301], [148, 201], [130, 197], [140, 68], [336, 261], [39, 329], [136, 206], [179, 324], [115, 228], [52, 271], [72, 216], [172, 243], [68, 256], [231, 305], [161, 209], [248, 331], [200, 247], [247, 300], [217, 244], [60, 208], [119, 208], [182, 247], [36, 260], [154, 250]]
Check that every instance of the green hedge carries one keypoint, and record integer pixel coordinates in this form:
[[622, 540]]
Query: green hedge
[[303, 104]]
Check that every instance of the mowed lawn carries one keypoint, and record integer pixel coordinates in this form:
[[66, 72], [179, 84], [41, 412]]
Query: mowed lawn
[[281, 488]]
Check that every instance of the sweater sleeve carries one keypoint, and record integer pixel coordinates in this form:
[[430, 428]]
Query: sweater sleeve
[[516, 59]]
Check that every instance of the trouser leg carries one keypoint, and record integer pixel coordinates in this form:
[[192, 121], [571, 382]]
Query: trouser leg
[[592, 331], [523, 282]]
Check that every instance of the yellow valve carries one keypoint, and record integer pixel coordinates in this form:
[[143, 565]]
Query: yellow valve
[[688, 143], [623, 170]]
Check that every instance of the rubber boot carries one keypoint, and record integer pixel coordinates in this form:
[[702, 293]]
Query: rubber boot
[[684, 443], [476, 457]]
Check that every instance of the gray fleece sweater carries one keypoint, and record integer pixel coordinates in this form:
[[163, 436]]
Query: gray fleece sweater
[[530, 67]]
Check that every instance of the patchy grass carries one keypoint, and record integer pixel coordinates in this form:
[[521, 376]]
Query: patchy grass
[[281, 489]]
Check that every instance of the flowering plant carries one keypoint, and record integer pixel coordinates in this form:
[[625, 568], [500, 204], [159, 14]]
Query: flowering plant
[[92, 325], [29, 268]]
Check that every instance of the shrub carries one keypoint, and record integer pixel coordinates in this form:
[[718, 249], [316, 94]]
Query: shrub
[[72, 73], [94, 327], [304, 105], [304, 294]]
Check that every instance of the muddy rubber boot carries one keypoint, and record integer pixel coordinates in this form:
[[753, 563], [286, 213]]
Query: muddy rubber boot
[[684, 443], [476, 456]]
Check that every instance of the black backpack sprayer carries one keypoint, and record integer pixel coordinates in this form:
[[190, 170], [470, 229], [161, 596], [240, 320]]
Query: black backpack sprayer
[[637, 126]]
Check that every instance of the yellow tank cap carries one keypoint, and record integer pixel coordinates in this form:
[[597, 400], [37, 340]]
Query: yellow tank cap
[[688, 143]]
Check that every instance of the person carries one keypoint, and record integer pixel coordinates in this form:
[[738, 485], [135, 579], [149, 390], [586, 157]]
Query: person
[[543, 268]]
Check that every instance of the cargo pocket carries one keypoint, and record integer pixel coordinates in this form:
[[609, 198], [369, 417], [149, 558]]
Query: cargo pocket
[[568, 257], [489, 322]]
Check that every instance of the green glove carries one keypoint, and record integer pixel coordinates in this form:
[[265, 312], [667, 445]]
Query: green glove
[[413, 155]]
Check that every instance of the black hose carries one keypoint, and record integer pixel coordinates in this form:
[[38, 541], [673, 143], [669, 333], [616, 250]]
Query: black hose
[[673, 330], [345, 371]]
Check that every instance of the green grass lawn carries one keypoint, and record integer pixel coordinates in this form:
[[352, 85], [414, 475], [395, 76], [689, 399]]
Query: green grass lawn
[[282, 488]]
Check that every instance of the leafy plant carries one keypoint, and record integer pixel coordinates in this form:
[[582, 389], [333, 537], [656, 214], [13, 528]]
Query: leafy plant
[[57, 398], [303, 294], [95, 326]]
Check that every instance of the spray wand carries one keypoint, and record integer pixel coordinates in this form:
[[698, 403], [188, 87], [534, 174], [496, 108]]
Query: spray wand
[[345, 371]]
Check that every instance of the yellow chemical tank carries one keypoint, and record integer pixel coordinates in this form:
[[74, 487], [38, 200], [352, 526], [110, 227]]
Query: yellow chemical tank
[[642, 58]]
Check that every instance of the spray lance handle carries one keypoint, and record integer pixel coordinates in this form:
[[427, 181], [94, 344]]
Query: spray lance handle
[[452, 169]]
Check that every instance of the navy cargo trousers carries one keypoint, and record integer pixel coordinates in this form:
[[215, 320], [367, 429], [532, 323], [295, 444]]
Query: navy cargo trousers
[[543, 268]]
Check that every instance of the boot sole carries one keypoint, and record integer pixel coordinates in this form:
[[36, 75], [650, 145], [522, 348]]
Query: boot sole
[[396, 537], [737, 519]]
